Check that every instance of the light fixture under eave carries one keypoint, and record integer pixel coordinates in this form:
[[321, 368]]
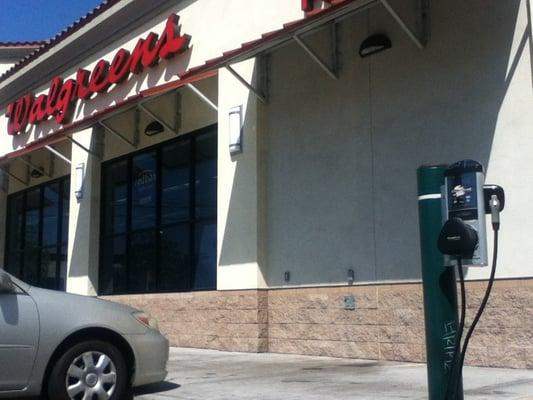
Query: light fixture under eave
[[153, 128], [374, 44], [37, 173]]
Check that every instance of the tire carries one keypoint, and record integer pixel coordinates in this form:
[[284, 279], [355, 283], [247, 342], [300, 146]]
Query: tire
[[95, 367]]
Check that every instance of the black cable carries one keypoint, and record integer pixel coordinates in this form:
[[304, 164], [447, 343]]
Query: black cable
[[482, 306], [454, 376]]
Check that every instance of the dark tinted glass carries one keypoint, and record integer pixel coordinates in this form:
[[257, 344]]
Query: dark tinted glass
[[175, 266], [116, 196], [65, 210], [13, 261], [62, 285], [31, 234], [30, 269], [175, 191], [206, 176], [50, 214], [113, 276], [142, 271], [15, 223], [167, 228], [37, 220], [144, 184], [206, 251]]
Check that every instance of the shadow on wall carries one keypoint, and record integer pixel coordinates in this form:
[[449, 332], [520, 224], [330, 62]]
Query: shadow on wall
[[83, 259], [341, 156], [438, 106], [242, 231]]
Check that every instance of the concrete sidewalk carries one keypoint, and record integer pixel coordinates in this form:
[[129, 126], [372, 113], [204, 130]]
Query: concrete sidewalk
[[214, 375]]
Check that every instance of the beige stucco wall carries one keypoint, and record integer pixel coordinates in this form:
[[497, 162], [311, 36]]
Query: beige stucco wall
[[240, 219], [341, 164], [84, 215], [326, 182]]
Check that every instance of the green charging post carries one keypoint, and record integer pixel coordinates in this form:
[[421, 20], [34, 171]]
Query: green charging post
[[439, 285]]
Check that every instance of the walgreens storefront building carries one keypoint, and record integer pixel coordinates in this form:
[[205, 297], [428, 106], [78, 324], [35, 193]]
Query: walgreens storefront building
[[246, 171]]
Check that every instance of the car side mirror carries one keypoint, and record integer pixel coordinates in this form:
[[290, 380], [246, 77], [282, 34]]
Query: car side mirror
[[6, 284]]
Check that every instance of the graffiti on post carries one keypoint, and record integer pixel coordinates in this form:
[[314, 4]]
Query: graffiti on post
[[449, 339]]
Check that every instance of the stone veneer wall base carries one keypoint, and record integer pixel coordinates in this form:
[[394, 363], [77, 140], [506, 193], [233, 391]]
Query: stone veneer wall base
[[386, 324]]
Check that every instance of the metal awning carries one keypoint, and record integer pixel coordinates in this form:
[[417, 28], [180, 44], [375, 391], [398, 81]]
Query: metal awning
[[118, 108], [295, 30]]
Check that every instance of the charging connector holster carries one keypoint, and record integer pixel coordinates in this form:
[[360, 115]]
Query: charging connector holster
[[457, 238]]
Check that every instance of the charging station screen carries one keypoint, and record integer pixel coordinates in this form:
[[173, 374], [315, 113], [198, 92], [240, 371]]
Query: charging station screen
[[462, 198]]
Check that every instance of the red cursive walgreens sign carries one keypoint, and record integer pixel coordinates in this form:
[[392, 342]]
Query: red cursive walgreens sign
[[59, 102]]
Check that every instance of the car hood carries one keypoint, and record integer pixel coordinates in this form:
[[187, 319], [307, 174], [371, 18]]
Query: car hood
[[72, 312]]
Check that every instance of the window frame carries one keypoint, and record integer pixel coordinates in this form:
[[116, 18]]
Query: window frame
[[192, 221]]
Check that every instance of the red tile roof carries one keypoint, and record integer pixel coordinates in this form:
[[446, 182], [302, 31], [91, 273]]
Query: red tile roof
[[18, 45], [46, 45]]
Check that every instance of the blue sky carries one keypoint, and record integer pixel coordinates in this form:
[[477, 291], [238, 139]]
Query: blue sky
[[29, 20]]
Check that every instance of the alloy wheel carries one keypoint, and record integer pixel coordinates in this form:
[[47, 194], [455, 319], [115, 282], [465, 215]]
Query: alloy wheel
[[91, 376]]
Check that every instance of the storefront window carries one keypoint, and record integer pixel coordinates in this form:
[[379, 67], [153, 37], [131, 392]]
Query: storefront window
[[37, 228], [159, 218]]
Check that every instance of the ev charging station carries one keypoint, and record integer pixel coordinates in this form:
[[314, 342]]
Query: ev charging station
[[452, 203]]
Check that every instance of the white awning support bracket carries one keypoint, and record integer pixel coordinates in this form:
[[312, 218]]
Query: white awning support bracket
[[202, 96], [243, 81], [118, 134], [84, 148], [13, 176], [157, 118], [58, 154], [418, 41], [29, 163], [331, 71]]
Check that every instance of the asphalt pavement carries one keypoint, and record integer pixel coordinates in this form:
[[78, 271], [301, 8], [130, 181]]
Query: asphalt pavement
[[206, 374]]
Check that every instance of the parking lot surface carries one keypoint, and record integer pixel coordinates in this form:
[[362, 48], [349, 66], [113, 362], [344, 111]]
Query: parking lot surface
[[205, 374]]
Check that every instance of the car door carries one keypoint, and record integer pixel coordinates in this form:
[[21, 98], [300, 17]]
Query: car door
[[19, 338]]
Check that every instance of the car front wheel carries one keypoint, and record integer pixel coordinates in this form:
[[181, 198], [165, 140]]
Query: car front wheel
[[91, 370]]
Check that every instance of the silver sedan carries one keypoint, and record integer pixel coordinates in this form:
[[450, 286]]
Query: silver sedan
[[72, 347]]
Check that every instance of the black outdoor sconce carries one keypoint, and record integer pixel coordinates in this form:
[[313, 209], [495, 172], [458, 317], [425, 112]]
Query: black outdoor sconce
[[374, 44], [153, 128]]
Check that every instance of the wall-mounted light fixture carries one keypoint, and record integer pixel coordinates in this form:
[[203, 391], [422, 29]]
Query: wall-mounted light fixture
[[153, 128], [235, 130], [37, 173], [374, 44], [78, 188]]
